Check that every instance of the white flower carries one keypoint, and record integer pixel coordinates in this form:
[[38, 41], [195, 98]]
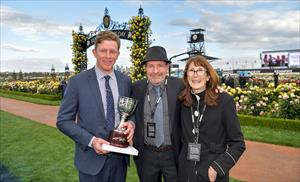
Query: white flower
[[238, 107], [261, 113], [252, 107], [258, 104], [285, 96]]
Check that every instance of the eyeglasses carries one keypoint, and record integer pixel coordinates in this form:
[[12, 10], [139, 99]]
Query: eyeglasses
[[199, 72]]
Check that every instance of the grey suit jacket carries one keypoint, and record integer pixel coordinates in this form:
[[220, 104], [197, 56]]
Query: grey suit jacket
[[81, 116]]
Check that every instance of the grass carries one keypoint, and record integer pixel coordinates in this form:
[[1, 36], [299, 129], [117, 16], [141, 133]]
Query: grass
[[274, 136], [33, 98], [7, 176], [35, 152]]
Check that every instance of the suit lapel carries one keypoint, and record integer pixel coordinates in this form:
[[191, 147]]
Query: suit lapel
[[171, 96], [120, 83], [143, 90], [93, 83]]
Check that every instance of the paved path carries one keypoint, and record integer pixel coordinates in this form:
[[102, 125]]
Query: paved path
[[41, 113], [260, 163], [263, 162]]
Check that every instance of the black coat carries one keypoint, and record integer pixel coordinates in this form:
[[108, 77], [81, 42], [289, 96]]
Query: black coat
[[221, 140], [174, 87]]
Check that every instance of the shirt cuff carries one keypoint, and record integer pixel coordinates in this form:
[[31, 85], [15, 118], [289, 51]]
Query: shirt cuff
[[91, 142]]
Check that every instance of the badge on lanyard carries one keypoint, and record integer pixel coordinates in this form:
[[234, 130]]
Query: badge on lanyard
[[194, 150], [150, 130]]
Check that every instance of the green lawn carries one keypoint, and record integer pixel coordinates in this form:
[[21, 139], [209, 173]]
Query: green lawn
[[39, 153], [36, 152], [274, 136]]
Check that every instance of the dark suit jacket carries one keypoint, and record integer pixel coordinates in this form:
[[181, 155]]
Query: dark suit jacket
[[139, 89], [81, 116]]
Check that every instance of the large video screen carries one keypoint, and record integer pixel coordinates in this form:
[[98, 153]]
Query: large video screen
[[294, 59], [274, 59]]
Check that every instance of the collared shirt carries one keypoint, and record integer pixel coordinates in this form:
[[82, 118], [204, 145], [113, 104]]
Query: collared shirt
[[147, 113], [114, 88]]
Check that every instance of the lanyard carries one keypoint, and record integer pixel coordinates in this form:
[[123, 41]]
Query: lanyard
[[197, 123], [157, 101]]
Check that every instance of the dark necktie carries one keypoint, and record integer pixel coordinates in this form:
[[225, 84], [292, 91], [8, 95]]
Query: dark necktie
[[110, 110], [159, 119]]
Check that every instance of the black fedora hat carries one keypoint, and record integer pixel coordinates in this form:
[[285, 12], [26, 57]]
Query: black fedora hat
[[156, 53]]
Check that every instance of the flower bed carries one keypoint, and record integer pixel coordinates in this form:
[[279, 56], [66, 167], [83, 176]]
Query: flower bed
[[282, 102], [50, 87]]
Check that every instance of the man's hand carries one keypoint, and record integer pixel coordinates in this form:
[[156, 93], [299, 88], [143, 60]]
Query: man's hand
[[97, 146], [212, 174], [129, 126]]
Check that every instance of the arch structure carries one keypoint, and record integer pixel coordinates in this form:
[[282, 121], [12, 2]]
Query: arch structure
[[137, 30]]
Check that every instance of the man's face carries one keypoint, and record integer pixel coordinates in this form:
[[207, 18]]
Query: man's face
[[106, 54], [156, 71]]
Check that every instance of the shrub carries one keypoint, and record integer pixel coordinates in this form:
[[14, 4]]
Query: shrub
[[275, 123]]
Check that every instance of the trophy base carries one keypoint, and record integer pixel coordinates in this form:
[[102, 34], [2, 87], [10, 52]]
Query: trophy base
[[117, 138]]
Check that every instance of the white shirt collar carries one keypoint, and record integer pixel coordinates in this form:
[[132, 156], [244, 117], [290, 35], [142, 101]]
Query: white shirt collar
[[100, 74]]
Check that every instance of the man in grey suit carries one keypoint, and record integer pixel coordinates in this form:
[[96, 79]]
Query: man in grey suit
[[157, 133], [88, 113]]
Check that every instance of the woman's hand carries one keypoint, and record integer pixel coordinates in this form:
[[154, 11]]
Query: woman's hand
[[212, 174]]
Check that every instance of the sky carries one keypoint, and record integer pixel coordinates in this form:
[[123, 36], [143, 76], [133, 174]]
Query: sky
[[38, 34]]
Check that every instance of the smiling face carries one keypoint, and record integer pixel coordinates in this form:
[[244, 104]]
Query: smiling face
[[106, 53], [197, 77], [156, 71]]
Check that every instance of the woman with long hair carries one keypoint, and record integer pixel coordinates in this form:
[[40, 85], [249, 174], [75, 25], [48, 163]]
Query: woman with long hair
[[211, 134]]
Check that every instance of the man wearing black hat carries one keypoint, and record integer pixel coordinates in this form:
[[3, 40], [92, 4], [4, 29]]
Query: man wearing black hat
[[157, 133]]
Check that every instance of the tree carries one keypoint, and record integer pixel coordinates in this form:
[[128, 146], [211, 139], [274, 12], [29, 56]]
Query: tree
[[14, 75], [20, 75]]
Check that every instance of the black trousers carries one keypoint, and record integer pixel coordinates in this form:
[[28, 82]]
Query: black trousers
[[156, 165], [114, 170]]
